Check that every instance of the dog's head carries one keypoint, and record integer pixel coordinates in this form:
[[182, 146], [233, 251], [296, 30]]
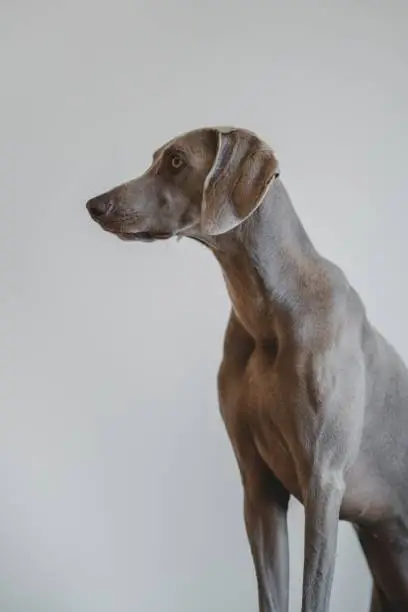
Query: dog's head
[[202, 184]]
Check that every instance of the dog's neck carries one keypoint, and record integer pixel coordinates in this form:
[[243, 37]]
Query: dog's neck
[[272, 271]]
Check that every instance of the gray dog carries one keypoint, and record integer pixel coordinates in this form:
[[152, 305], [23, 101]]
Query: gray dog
[[314, 399]]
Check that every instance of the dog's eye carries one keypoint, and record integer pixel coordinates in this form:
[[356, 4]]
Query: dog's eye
[[176, 163]]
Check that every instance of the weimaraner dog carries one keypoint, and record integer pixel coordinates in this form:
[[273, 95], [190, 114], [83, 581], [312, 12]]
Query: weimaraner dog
[[314, 399]]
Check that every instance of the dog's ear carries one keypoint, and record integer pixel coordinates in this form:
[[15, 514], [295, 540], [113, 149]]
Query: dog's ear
[[242, 171]]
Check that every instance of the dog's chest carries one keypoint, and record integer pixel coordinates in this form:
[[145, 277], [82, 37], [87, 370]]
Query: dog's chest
[[257, 415]]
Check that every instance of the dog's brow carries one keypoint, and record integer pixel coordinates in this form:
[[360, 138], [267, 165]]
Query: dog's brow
[[176, 149]]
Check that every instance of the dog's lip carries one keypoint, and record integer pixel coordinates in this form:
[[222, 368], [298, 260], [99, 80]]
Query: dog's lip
[[144, 236]]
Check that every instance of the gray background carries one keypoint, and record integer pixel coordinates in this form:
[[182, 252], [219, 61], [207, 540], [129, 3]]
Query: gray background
[[119, 491]]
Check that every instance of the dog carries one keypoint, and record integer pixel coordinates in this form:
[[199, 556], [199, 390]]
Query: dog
[[313, 397]]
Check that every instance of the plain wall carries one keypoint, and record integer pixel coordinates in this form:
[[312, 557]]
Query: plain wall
[[119, 490]]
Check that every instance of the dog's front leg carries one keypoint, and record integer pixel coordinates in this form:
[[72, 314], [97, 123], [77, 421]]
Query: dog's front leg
[[329, 441], [322, 508], [265, 510]]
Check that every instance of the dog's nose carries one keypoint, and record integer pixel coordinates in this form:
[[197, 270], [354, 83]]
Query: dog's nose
[[99, 207]]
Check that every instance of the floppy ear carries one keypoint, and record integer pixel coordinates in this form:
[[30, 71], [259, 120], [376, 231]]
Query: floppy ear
[[242, 171]]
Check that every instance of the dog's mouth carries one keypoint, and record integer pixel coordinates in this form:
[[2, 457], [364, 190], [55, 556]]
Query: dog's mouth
[[143, 236], [134, 236]]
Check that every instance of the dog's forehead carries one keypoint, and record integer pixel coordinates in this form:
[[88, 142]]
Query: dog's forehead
[[192, 140], [197, 139]]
